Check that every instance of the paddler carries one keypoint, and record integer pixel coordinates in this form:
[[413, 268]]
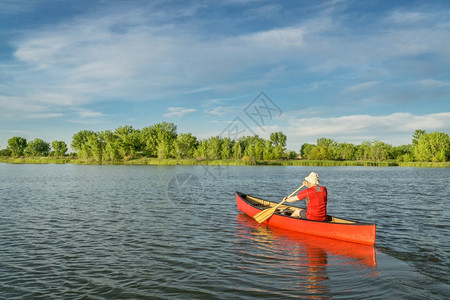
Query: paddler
[[315, 197]]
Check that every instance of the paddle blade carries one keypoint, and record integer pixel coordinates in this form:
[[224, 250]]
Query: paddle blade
[[265, 214]]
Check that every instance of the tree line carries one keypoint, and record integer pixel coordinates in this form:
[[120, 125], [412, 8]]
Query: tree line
[[425, 147], [162, 141], [19, 146]]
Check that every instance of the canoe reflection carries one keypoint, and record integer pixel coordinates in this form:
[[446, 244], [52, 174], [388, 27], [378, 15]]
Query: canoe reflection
[[271, 251], [357, 253]]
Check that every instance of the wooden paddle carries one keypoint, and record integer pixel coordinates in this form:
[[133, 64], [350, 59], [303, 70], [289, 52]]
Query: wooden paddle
[[267, 213]]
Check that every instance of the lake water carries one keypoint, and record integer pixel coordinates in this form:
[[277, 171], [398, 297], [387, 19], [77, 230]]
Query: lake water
[[174, 232]]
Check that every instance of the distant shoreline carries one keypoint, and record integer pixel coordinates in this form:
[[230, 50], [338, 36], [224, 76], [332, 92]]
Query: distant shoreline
[[230, 162]]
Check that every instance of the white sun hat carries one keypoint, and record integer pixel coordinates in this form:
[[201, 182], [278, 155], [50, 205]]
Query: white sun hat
[[313, 178]]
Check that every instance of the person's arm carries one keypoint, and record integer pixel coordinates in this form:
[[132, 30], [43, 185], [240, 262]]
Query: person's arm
[[300, 196], [291, 199]]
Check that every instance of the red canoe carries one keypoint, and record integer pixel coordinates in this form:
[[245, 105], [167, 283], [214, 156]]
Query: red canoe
[[335, 228]]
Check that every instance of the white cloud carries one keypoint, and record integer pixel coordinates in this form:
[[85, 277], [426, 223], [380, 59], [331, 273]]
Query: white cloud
[[87, 113], [281, 38], [265, 10], [360, 87], [39, 106], [43, 116], [221, 111], [402, 16], [16, 108], [432, 83], [178, 111], [356, 128]]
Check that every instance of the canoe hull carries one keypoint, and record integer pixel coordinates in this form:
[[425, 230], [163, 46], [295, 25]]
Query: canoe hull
[[364, 255], [355, 232]]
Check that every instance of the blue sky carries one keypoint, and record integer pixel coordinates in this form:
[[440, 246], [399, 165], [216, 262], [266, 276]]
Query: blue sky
[[348, 70]]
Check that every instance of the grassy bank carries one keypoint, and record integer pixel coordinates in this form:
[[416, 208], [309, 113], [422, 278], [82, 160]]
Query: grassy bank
[[138, 161], [331, 163], [228, 162]]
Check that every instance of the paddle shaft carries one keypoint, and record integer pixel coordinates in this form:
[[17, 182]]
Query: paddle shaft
[[288, 196], [279, 204], [267, 213], [295, 191]]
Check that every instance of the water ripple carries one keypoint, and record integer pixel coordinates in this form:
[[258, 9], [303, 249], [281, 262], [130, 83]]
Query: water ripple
[[111, 232]]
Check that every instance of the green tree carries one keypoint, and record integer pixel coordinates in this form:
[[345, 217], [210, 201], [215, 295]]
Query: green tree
[[278, 140], [60, 148], [292, 155], [17, 145], [346, 151], [258, 144], [149, 139], [268, 151], [166, 134], [238, 148], [434, 146], [129, 141], [306, 149], [201, 152], [215, 147], [111, 145], [185, 145], [416, 136], [317, 153], [254, 147], [5, 152], [325, 149], [81, 145], [363, 150], [381, 151], [227, 145], [243, 147], [37, 147], [96, 146], [249, 150], [403, 153]]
